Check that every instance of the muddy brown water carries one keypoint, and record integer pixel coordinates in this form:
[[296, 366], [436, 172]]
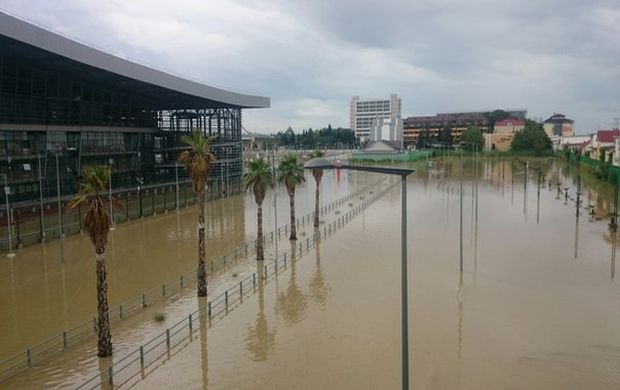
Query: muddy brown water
[[536, 307]]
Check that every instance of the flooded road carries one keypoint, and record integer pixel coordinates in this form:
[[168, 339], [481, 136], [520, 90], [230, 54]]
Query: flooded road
[[536, 306], [48, 288], [527, 314]]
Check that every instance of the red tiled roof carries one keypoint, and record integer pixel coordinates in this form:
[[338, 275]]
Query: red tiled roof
[[510, 122], [607, 135]]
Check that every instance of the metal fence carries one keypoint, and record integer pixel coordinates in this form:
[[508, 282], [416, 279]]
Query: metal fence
[[35, 354], [30, 223], [126, 369]]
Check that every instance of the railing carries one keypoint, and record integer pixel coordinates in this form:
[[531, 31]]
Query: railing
[[30, 226], [34, 354], [125, 370]]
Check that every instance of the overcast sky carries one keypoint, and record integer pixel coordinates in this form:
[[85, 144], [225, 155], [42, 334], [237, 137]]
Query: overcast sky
[[310, 57]]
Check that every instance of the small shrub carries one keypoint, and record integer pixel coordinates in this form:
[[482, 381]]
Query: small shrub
[[159, 317]]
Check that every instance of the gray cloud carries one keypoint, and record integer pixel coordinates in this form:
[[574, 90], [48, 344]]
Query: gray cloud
[[312, 56]]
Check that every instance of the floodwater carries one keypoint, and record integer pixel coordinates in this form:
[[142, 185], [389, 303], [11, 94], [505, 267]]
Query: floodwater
[[51, 287], [536, 306]]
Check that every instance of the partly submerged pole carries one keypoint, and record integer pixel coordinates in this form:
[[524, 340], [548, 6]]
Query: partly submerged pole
[[404, 296], [461, 218]]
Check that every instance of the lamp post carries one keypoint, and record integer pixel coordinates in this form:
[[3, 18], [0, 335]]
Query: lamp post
[[112, 225], [176, 172], [7, 191], [41, 214], [275, 204], [322, 163], [59, 204]]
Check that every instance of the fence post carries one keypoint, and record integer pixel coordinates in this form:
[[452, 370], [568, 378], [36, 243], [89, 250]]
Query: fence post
[[143, 300], [209, 309], [64, 339], [226, 298], [254, 279], [110, 375], [168, 338], [29, 357], [181, 280], [163, 290], [95, 324], [265, 272], [190, 323], [142, 357], [120, 311], [241, 289]]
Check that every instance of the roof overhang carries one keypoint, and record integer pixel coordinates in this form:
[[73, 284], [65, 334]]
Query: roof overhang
[[52, 51]]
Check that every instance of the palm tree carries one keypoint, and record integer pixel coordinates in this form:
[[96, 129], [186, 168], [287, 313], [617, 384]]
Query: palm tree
[[318, 175], [197, 161], [92, 192], [259, 177], [291, 173]]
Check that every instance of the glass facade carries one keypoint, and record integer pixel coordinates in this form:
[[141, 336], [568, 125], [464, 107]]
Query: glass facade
[[47, 116]]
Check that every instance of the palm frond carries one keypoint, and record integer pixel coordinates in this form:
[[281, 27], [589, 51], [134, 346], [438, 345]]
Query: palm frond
[[291, 172], [198, 159], [92, 192], [258, 178]]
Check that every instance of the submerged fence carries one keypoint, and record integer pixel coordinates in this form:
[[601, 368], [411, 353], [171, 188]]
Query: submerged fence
[[33, 222], [35, 354], [127, 368]]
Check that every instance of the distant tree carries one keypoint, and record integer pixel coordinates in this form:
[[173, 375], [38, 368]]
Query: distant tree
[[309, 139], [472, 136], [445, 136], [532, 138], [424, 139], [495, 116]]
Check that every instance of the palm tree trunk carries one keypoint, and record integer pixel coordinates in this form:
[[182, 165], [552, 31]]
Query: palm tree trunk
[[104, 343], [202, 274], [260, 250], [316, 205], [293, 226]]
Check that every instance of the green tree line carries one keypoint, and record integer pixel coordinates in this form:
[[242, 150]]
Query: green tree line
[[326, 137]]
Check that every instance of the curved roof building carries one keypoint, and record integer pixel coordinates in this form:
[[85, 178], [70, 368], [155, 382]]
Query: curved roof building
[[63, 99], [50, 51]]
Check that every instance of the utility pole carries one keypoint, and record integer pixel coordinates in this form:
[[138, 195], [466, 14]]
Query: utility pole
[[176, 171], [275, 205], [41, 214], [62, 250], [112, 226], [461, 211], [7, 191]]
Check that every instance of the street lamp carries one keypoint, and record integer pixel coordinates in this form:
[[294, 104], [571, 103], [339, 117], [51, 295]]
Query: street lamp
[[7, 191], [112, 225], [322, 163]]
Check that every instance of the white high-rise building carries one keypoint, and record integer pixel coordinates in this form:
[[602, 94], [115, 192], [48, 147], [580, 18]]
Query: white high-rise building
[[377, 119]]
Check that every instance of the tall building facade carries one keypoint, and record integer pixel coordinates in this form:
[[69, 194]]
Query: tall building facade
[[376, 119]]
